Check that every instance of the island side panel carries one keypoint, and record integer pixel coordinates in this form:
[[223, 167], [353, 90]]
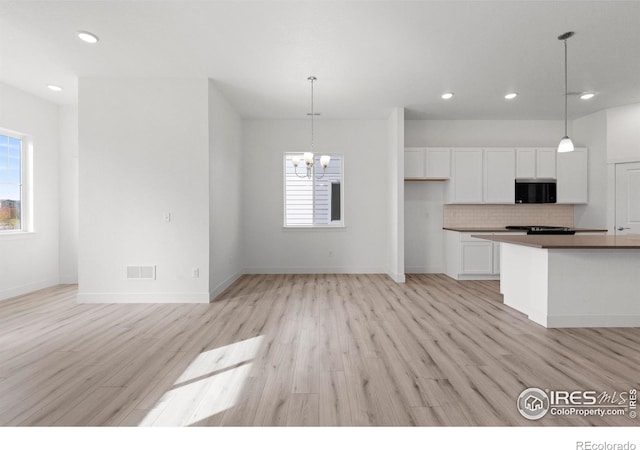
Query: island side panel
[[524, 275], [594, 288]]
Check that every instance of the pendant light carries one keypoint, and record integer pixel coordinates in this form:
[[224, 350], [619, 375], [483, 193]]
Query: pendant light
[[565, 144], [308, 157]]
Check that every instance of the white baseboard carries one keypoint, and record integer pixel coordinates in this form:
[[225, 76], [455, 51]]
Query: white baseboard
[[69, 280], [592, 321], [424, 269], [397, 277], [311, 270], [143, 297], [224, 285], [26, 289]]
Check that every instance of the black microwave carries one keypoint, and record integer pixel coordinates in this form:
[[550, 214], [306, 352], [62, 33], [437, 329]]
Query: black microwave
[[537, 190]]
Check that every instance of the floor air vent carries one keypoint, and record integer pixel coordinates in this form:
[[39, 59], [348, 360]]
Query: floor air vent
[[141, 272]]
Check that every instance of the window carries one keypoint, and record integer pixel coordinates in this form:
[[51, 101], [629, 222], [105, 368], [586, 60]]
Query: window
[[315, 200], [11, 176]]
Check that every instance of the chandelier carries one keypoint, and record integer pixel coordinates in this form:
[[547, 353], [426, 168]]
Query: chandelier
[[308, 157]]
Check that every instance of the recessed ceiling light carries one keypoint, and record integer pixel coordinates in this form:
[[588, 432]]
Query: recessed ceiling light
[[511, 95], [55, 88], [447, 95], [587, 95], [88, 37]]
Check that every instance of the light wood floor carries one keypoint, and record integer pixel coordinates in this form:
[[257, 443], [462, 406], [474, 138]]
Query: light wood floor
[[299, 350]]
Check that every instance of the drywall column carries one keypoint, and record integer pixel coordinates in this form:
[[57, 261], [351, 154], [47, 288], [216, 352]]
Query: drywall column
[[68, 194], [144, 189], [225, 192], [591, 132], [396, 194]]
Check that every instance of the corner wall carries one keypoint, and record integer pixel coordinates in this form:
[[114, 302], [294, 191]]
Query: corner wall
[[591, 132], [30, 261], [68, 118], [144, 189], [395, 159], [225, 193]]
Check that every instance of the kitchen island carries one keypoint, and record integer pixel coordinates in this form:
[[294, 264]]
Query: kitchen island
[[563, 281]]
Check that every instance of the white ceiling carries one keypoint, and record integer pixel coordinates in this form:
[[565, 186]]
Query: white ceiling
[[368, 56]]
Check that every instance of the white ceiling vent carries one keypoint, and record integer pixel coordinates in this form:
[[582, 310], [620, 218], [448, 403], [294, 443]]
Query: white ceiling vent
[[141, 272]]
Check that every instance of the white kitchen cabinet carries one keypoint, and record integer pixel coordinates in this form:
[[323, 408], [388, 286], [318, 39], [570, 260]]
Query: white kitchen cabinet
[[536, 163], [496, 258], [546, 162], [414, 163], [499, 175], [476, 257], [466, 181], [572, 176], [525, 163], [468, 258], [438, 163], [432, 163]]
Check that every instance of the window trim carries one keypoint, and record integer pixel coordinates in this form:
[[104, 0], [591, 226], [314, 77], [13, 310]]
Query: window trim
[[321, 226], [26, 185]]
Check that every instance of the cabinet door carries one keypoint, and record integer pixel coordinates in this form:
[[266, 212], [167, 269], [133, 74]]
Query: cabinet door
[[476, 258], [466, 174], [438, 163], [499, 175], [546, 162], [414, 163], [496, 258], [526, 163], [572, 176]]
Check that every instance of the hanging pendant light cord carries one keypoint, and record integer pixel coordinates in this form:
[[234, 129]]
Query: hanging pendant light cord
[[565, 88], [312, 113]]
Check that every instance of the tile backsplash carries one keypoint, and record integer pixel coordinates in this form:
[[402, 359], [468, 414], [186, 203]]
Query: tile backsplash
[[503, 215]]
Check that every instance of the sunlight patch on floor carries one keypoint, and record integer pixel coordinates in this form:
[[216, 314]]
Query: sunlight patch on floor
[[210, 385]]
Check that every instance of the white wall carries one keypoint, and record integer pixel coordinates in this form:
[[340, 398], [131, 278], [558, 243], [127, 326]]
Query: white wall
[[623, 134], [359, 247], [144, 152], [395, 158], [423, 214], [225, 191], [591, 132], [30, 261], [68, 246], [478, 133], [424, 236]]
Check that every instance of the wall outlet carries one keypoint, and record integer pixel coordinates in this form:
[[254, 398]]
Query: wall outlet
[[166, 217], [195, 273]]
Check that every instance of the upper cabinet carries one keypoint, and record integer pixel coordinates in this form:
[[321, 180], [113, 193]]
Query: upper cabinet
[[482, 175], [499, 175], [414, 163], [536, 163], [546, 162], [487, 175], [465, 185], [573, 168], [427, 163]]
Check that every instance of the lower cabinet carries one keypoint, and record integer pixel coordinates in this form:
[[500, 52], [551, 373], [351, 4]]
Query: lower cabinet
[[468, 258], [476, 257]]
